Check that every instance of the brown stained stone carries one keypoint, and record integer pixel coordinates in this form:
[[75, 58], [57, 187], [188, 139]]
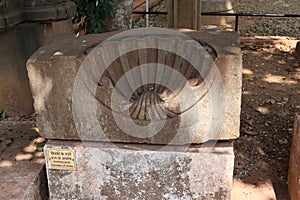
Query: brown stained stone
[[52, 71], [106, 171], [294, 166]]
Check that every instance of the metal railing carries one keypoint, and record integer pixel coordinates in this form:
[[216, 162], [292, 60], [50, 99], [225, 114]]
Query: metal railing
[[236, 15]]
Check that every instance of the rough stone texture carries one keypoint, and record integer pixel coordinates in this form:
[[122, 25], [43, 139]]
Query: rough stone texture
[[52, 72], [135, 172], [22, 168], [216, 6], [294, 166], [184, 14], [17, 45]]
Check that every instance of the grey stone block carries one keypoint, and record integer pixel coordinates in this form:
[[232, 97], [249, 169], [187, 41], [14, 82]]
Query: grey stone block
[[52, 76], [141, 172]]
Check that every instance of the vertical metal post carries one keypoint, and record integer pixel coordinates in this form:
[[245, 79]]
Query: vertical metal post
[[147, 15], [236, 26]]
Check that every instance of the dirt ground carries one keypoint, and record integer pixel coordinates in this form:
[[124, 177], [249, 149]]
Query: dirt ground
[[271, 97]]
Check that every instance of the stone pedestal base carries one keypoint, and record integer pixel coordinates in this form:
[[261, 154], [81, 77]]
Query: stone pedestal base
[[90, 170]]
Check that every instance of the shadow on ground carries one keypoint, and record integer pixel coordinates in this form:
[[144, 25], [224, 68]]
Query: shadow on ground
[[271, 97]]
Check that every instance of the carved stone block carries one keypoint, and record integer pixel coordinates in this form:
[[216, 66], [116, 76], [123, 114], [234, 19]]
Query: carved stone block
[[188, 103]]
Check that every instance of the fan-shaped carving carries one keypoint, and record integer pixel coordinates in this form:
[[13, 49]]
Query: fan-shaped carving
[[146, 89]]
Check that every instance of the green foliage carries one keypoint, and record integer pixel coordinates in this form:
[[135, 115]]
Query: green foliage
[[2, 114], [96, 12]]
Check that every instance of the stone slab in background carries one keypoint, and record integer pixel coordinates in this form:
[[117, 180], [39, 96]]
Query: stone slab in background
[[44, 12], [24, 27], [128, 171], [17, 45], [294, 166]]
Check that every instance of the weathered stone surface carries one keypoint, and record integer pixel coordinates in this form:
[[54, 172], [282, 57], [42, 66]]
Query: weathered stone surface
[[52, 71], [224, 6], [294, 166], [106, 171], [184, 14]]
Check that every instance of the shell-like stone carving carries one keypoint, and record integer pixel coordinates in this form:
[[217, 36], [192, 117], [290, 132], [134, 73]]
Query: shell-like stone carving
[[151, 82], [156, 86]]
